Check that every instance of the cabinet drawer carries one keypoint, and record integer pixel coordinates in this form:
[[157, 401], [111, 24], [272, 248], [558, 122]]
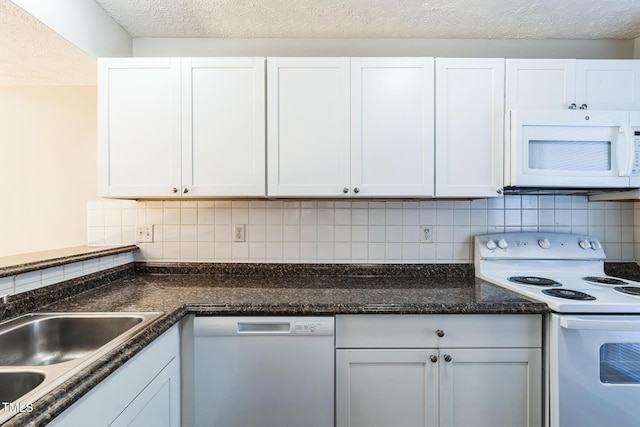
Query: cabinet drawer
[[420, 331]]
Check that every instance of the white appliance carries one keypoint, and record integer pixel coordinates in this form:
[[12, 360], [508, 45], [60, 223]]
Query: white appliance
[[572, 149], [264, 371], [593, 333]]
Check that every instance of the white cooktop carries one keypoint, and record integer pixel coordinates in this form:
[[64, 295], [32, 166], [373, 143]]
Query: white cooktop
[[563, 258]]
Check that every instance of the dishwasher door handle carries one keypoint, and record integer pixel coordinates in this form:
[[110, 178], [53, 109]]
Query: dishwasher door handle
[[215, 326], [264, 328]]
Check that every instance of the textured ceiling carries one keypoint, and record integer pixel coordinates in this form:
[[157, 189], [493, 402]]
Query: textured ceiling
[[32, 54], [494, 19]]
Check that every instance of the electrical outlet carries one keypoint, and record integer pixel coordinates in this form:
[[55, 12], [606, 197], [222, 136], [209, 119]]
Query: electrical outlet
[[238, 232], [144, 234], [426, 234]]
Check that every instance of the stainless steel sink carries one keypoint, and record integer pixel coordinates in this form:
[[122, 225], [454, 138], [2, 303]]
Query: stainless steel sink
[[45, 340], [40, 351], [13, 385]]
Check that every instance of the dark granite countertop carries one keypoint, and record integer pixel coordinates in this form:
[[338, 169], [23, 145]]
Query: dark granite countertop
[[23, 263], [249, 289]]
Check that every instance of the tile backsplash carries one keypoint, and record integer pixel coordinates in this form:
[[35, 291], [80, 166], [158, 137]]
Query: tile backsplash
[[38, 278], [351, 231]]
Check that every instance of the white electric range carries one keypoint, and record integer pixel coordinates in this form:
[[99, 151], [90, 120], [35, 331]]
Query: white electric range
[[593, 333], [566, 271]]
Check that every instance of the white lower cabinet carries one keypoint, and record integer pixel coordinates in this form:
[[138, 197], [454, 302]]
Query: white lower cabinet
[[460, 372], [144, 392], [386, 387]]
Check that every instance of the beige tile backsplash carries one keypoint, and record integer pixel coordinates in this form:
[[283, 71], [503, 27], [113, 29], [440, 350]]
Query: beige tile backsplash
[[352, 231]]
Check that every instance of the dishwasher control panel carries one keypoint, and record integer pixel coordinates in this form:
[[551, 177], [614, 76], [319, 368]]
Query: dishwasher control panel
[[313, 327]]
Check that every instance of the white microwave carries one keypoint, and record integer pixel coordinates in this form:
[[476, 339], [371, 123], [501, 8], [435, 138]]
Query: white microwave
[[572, 149]]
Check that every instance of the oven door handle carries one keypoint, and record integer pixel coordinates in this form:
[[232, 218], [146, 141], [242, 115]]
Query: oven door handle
[[596, 324]]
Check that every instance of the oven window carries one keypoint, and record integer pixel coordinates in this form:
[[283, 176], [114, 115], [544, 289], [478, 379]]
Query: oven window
[[620, 363], [570, 155]]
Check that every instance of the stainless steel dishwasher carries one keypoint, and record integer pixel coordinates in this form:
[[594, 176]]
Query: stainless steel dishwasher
[[263, 371]]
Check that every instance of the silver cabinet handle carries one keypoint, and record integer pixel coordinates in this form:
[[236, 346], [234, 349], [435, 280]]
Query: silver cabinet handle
[[440, 333], [573, 106], [345, 190], [433, 358], [447, 358], [583, 107], [174, 190], [356, 190]]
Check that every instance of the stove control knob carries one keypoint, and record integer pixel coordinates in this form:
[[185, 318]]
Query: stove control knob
[[502, 244], [544, 243], [491, 245], [584, 244], [595, 245]]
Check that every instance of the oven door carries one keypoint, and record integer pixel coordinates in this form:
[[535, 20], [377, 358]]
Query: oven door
[[594, 371], [568, 148]]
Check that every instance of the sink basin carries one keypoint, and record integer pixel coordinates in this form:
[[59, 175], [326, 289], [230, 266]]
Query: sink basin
[[56, 339], [16, 384], [38, 352]]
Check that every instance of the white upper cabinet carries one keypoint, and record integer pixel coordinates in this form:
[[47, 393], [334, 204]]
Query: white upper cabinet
[[469, 127], [392, 130], [308, 126], [540, 83], [559, 83], [608, 84], [340, 127], [190, 127], [223, 133], [139, 126]]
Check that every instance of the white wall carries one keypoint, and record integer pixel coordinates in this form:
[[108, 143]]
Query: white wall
[[480, 48], [48, 166], [351, 231]]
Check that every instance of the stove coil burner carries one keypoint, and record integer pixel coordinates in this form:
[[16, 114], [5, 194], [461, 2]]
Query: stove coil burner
[[604, 280], [568, 294], [631, 290], [536, 281]]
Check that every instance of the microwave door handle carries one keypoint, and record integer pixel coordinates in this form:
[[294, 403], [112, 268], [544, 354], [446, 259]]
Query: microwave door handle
[[628, 162], [596, 324]]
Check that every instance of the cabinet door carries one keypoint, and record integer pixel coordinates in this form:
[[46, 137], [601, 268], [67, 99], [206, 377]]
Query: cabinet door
[[223, 134], [490, 387], [145, 391], [540, 83], [392, 127], [158, 404], [469, 127], [139, 127], [608, 84], [308, 126], [382, 388]]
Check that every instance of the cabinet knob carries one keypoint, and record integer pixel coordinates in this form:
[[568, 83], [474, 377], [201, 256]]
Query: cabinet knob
[[440, 333], [583, 107], [186, 190], [573, 106], [499, 191], [433, 358], [447, 358], [174, 190], [345, 190], [356, 190]]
